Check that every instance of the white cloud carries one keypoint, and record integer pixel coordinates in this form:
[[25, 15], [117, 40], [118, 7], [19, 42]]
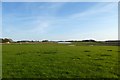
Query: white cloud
[[40, 28], [98, 9]]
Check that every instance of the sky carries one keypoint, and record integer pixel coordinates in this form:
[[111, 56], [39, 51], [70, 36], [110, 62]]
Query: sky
[[60, 20], [60, 0]]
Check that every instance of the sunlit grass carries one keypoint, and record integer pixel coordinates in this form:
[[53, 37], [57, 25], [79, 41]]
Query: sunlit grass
[[59, 61]]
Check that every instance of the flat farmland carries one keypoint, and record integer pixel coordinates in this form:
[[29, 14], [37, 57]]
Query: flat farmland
[[52, 60]]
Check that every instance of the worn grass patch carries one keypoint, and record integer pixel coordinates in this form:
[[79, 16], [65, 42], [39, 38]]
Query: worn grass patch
[[86, 51]]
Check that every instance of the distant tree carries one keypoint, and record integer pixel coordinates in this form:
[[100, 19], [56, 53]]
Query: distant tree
[[88, 40], [6, 40], [45, 41], [0, 40]]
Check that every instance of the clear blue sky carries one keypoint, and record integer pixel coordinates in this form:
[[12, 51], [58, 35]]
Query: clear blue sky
[[60, 20]]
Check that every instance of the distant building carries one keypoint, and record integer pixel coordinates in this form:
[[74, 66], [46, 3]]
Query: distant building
[[64, 42]]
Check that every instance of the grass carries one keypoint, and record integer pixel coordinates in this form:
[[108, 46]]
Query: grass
[[59, 61], [0, 61]]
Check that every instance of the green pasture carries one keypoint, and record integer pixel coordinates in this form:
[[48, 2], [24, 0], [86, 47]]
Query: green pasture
[[0, 61], [52, 60]]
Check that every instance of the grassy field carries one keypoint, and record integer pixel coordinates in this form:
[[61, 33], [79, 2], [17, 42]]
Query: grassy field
[[0, 61], [51, 60]]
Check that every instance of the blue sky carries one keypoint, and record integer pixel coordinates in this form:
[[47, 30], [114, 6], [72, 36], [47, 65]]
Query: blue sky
[[60, 20]]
